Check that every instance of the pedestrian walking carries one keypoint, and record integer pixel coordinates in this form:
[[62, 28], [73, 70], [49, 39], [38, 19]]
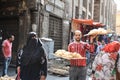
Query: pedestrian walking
[[100, 45], [7, 52], [78, 68], [32, 64], [104, 65]]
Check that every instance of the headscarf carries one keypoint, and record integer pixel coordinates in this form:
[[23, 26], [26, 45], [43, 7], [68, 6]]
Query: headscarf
[[112, 47], [32, 51]]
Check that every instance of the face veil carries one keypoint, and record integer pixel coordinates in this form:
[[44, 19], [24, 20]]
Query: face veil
[[32, 51]]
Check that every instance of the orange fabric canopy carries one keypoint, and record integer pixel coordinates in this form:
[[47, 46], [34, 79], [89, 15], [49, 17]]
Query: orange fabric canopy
[[89, 22], [83, 21]]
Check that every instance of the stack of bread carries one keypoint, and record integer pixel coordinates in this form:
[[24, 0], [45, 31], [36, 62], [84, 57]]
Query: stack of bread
[[102, 31], [68, 55], [99, 31]]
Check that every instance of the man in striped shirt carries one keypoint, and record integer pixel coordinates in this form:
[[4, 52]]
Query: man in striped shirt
[[78, 68]]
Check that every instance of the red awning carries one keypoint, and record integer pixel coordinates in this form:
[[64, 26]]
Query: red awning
[[76, 23], [83, 21]]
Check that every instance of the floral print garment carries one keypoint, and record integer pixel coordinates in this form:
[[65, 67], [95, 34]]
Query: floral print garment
[[104, 65]]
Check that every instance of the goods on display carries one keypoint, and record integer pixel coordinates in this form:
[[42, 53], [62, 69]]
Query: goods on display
[[68, 55]]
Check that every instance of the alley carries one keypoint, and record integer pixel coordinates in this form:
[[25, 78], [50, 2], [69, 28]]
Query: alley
[[32, 31], [12, 73]]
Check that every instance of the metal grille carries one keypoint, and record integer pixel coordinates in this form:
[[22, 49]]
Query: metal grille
[[55, 31]]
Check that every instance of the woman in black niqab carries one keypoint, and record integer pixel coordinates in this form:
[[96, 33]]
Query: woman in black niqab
[[33, 60]]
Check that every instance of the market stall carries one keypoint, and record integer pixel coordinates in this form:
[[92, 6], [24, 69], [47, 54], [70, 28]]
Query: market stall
[[84, 25]]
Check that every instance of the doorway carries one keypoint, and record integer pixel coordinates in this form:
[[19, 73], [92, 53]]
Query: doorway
[[9, 26]]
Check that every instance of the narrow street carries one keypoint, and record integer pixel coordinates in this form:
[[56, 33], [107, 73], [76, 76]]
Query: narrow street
[[12, 73], [86, 34]]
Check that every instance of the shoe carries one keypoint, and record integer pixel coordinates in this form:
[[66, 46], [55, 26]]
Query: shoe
[[4, 75]]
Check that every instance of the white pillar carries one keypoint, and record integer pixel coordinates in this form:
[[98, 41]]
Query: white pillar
[[87, 9], [81, 8], [92, 14]]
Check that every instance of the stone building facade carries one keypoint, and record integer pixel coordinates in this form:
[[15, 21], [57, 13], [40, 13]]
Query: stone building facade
[[45, 17], [118, 23], [105, 12], [83, 9], [56, 24], [50, 18]]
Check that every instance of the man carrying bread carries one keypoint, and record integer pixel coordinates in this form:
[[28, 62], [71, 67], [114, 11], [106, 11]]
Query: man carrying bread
[[78, 67]]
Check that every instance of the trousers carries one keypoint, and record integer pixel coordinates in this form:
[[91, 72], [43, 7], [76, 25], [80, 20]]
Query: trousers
[[5, 65], [77, 73]]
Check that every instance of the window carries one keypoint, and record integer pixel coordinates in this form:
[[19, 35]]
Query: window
[[102, 8], [76, 12], [90, 6], [83, 14], [85, 3], [89, 17]]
